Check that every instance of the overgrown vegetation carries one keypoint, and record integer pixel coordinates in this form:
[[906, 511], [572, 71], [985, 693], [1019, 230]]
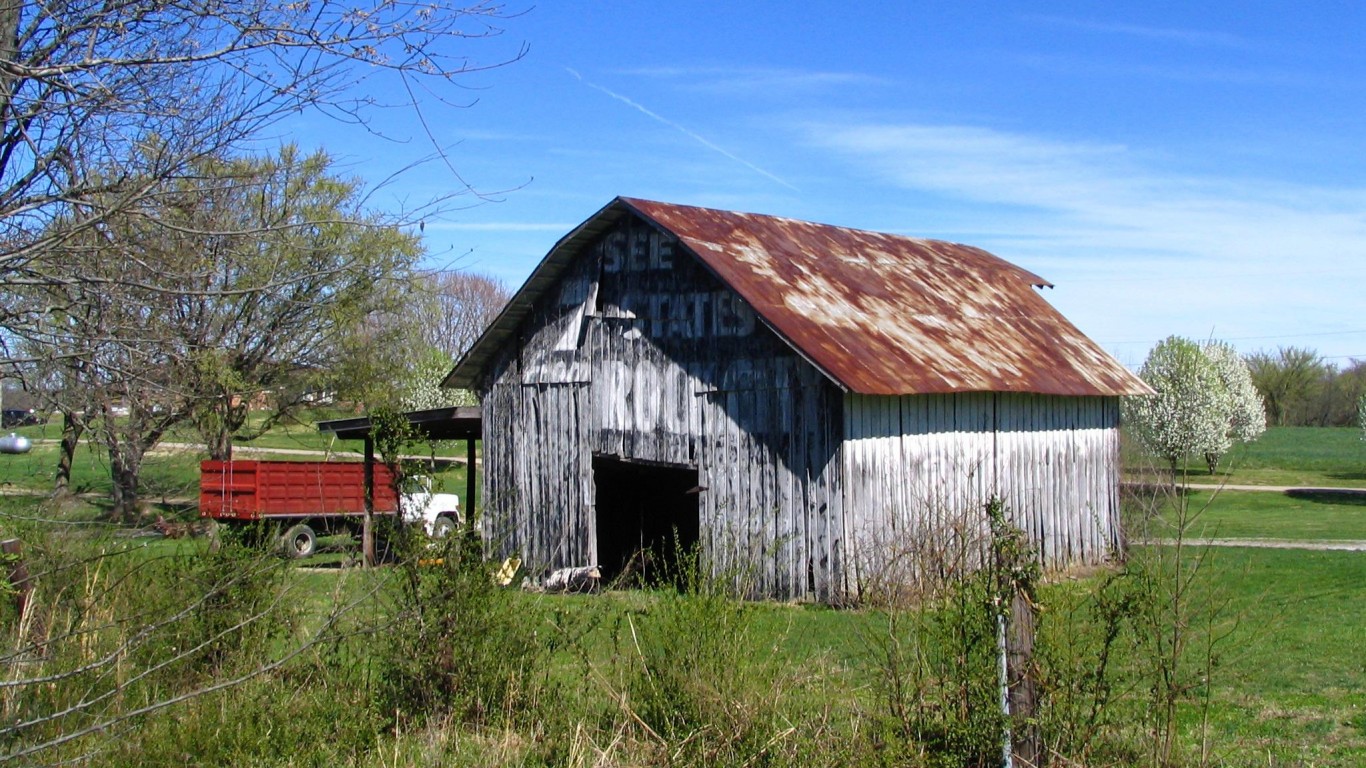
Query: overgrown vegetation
[[139, 651], [456, 650]]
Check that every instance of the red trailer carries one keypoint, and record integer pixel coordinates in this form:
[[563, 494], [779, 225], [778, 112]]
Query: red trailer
[[297, 499]]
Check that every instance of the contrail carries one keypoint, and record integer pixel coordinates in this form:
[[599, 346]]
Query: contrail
[[695, 137]]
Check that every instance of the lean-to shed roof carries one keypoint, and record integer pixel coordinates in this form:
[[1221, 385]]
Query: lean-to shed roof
[[879, 314]]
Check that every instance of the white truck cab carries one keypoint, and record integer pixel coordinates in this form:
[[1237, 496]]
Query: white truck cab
[[439, 513]]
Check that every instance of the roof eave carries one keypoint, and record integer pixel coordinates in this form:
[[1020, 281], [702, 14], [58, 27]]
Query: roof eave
[[470, 370]]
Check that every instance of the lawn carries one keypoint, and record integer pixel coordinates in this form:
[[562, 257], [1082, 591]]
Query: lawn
[[168, 474], [1288, 456], [1294, 515], [1292, 686]]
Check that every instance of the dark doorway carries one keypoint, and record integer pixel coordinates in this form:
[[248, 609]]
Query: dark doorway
[[646, 515]]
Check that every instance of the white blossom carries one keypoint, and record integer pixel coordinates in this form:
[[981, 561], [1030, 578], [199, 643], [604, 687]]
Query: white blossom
[[423, 390], [1247, 420], [1204, 401]]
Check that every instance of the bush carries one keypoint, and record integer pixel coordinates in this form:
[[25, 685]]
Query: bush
[[457, 644], [696, 678]]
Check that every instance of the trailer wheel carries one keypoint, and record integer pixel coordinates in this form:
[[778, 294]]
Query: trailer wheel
[[443, 526], [299, 541]]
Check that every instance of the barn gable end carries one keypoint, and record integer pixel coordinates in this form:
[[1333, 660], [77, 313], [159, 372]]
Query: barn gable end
[[718, 377], [639, 354]]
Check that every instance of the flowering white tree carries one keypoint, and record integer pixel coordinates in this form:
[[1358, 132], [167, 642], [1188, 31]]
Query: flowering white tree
[[1204, 402], [421, 385], [1247, 411], [1361, 415]]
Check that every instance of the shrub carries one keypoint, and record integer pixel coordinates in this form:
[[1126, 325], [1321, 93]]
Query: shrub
[[457, 644], [696, 678]]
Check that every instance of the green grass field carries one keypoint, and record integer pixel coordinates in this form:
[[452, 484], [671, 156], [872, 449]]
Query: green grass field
[[1288, 687], [1289, 456], [1293, 516], [1291, 689]]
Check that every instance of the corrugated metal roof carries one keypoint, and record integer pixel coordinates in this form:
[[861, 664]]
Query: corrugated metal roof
[[880, 314]]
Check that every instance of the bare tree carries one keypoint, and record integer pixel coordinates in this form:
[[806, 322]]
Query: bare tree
[[103, 103], [462, 305], [109, 113]]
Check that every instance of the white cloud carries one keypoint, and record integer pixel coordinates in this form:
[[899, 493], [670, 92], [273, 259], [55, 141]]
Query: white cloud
[[768, 81], [1103, 195], [499, 226], [1153, 252], [1191, 37]]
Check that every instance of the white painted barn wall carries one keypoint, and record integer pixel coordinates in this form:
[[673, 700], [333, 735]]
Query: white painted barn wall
[[919, 467]]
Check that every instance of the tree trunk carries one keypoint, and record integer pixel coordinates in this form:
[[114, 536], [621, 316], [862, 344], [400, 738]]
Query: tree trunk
[[219, 445], [123, 471], [11, 12], [72, 429], [223, 421], [367, 531]]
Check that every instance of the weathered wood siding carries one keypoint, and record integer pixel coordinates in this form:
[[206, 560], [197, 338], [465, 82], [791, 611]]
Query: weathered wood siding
[[773, 510], [917, 470], [642, 354], [639, 352], [1058, 469]]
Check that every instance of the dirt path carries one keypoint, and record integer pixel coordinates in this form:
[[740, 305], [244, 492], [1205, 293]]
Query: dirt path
[[1276, 488], [310, 452], [1320, 545]]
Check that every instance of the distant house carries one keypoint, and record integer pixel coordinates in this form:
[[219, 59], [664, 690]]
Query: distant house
[[802, 401]]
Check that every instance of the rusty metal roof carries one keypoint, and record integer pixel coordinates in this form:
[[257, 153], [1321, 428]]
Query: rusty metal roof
[[879, 314]]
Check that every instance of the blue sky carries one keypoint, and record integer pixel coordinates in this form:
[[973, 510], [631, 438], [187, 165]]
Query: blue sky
[[1174, 168]]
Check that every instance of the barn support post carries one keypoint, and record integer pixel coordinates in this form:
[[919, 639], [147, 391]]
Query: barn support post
[[367, 531], [469, 487]]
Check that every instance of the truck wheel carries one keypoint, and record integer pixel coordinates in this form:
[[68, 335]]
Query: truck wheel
[[299, 541], [443, 527]]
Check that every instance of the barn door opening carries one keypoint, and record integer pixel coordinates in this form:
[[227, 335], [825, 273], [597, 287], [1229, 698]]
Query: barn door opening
[[647, 515]]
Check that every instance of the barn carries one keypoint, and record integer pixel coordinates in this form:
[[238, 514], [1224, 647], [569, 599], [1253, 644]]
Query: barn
[[803, 402]]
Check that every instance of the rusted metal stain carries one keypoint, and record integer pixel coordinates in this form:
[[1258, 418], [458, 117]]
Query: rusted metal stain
[[885, 314]]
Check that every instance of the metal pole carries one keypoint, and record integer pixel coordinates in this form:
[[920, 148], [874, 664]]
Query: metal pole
[[469, 486], [1004, 679], [367, 531]]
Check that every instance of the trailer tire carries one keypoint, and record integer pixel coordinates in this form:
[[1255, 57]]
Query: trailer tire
[[299, 541], [443, 526]]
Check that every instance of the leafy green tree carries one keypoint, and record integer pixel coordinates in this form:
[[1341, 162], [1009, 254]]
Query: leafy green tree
[[1289, 381], [293, 273], [248, 281]]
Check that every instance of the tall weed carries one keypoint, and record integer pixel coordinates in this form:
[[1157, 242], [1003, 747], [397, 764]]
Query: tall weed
[[118, 630], [455, 644], [697, 682]]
